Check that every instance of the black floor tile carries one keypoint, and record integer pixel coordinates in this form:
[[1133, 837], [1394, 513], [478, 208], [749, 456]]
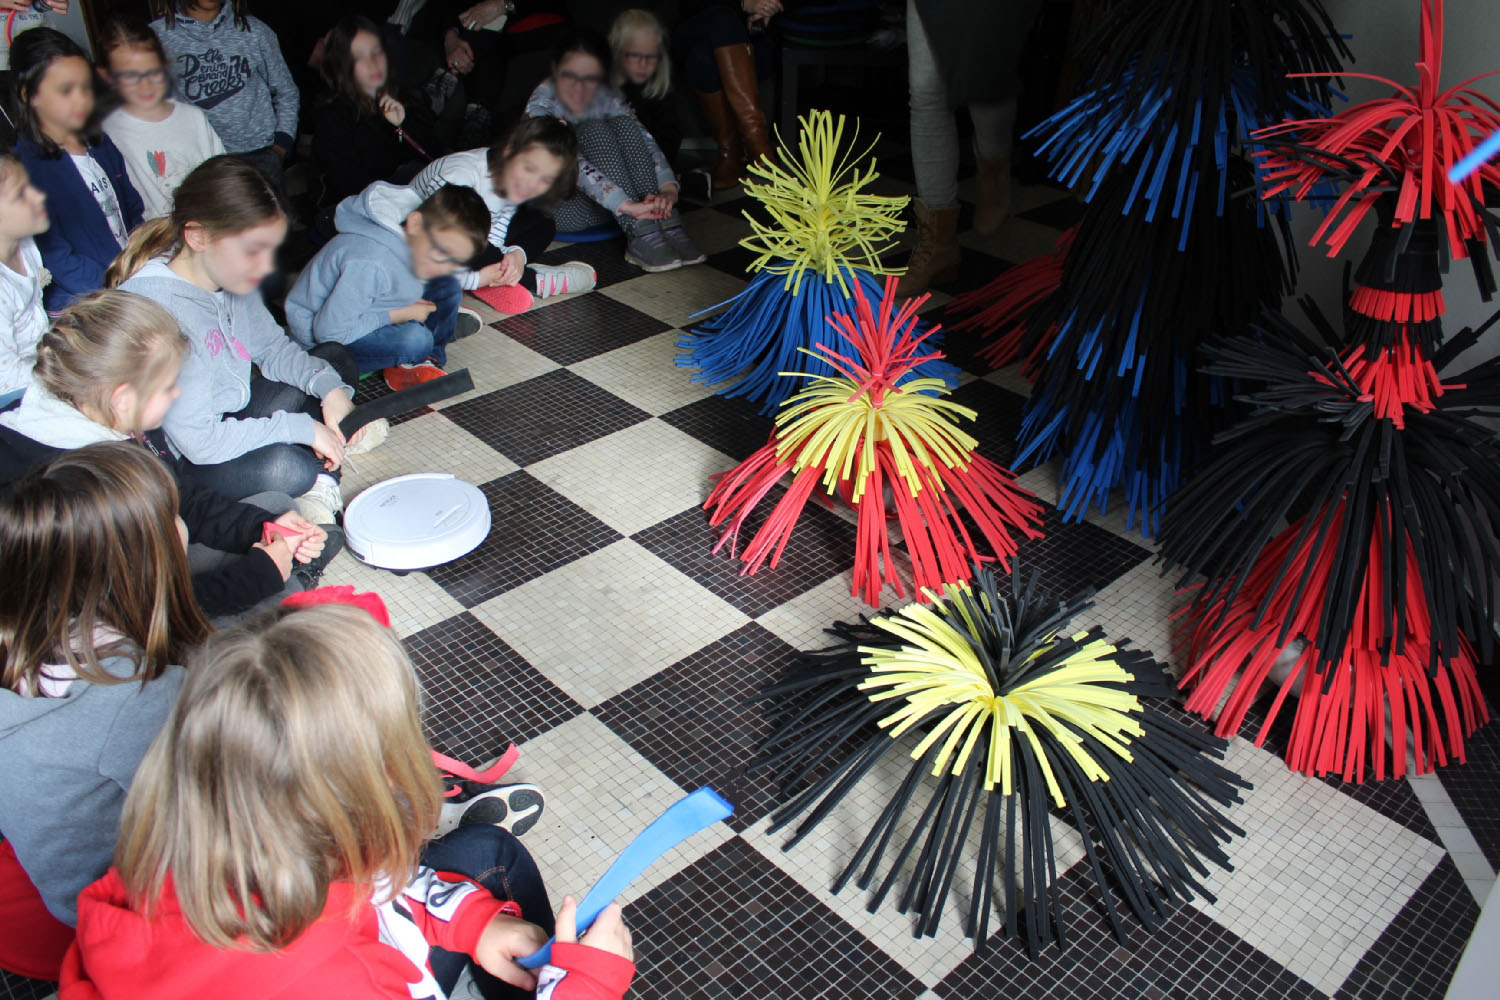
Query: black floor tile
[[1191, 956], [997, 418], [1059, 214], [821, 547], [534, 530], [1419, 950], [1474, 787], [13, 987], [544, 416], [1072, 557], [373, 387], [736, 261], [607, 258], [734, 925], [478, 694], [731, 426], [693, 722], [577, 329]]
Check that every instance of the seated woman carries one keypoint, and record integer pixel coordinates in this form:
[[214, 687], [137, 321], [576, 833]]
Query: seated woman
[[713, 45], [362, 132], [643, 76], [622, 173]]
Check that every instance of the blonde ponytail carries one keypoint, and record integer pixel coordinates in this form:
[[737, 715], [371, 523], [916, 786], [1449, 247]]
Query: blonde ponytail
[[150, 239]]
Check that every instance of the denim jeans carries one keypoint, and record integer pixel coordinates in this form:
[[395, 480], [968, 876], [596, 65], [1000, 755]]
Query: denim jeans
[[499, 862], [934, 132], [412, 342], [278, 468]]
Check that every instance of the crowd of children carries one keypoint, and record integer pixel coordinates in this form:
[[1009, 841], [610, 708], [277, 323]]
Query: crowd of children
[[212, 772]]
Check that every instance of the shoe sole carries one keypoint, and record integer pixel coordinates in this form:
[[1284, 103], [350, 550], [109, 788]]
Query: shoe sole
[[515, 808], [631, 258]]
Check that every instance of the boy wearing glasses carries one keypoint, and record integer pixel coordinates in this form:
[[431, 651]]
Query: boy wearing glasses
[[384, 286], [161, 140]]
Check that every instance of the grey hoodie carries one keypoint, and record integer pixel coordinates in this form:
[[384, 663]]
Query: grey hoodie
[[65, 766], [236, 77], [227, 332], [350, 287]]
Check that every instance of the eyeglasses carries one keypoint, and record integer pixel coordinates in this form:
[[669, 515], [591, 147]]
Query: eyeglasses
[[641, 57], [437, 254], [592, 80], [130, 79]]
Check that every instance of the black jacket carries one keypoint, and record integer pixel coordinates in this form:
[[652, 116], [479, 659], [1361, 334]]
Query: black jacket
[[211, 520], [658, 115], [354, 152]]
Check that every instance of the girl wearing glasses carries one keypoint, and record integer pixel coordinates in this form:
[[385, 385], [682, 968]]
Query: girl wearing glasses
[[622, 173], [643, 76], [161, 140]]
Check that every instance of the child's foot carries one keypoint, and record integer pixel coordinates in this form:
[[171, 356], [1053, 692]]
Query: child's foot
[[401, 377], [467, 324], [375, 433], [687, 251], [510, 807], [651, 252], [560, 279], [322, 503]]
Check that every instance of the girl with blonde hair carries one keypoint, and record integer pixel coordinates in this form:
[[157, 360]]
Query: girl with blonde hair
[[273, 843], [642, 73], [95, 611]]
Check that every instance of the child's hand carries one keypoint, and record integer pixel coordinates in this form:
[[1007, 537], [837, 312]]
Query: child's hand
[[417, 312], [489, 275], [392, 109], [608, 933], [328, 444], [505, 939], [336, 406], [510, 268], [280, 553], [309, 544], [639, 209]]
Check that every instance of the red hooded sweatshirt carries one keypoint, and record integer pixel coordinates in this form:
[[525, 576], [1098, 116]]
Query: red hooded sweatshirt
[[119, 954]]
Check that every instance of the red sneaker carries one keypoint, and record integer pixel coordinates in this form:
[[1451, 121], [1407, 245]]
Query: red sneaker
[[401, 377], [508, 300]]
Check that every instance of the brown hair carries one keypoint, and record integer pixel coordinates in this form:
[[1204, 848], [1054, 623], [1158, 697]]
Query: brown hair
[[552, 134], [170, 10], [10, 166], [455, 206], [337, 67], [125, 31], [222, 194], [94, 567], [31, 55], [293, 759], [104, 340]]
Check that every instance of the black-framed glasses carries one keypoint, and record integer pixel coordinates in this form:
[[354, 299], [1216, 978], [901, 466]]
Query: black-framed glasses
[[641, 57], [592, 80], [132, 79]]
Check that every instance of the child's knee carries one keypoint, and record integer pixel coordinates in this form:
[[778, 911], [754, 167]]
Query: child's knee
[[413, 342]]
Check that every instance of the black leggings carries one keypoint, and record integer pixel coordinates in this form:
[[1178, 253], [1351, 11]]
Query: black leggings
[[280, 468], [618, 149], [532, 230]]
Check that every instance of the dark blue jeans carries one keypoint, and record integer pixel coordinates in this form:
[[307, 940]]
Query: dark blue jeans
[[412, 342], [712, 28], [276, 468], [499, 862]]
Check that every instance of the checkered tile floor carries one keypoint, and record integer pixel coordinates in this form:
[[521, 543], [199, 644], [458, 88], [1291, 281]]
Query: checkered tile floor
[[594, 629]]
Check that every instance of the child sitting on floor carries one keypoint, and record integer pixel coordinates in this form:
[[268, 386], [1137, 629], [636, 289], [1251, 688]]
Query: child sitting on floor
[[273, 844], [160, 139], [518, 178], [107, 371], [23, 318], [383, 288], [95, 608]]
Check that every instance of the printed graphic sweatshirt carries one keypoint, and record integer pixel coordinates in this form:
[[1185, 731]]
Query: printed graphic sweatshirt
[[236, 76]]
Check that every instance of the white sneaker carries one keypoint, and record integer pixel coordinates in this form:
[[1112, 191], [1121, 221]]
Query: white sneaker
[[322, 503], [560, 279], [515, 808], [375, 433]]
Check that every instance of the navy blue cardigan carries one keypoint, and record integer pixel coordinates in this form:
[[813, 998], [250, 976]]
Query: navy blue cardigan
[[78, 246]]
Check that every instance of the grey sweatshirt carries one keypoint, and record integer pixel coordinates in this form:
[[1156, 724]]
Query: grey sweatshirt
[[227, 333], [607, 103], [351, 285], [65, 766], [236, 77]]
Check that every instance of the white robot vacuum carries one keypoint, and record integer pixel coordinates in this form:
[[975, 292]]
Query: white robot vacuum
[[417, 521]]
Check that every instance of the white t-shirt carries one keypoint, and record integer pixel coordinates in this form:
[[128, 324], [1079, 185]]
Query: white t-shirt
[[96, 179], [12, 25], [23, 319], [158, 155]]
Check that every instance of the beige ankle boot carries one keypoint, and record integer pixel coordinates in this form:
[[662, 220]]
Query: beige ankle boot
[[936, 255], [994, 195]]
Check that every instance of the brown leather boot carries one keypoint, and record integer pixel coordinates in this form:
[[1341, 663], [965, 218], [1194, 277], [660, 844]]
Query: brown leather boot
[[730, 166], [994, 195], [935, 257], [737, 70]]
